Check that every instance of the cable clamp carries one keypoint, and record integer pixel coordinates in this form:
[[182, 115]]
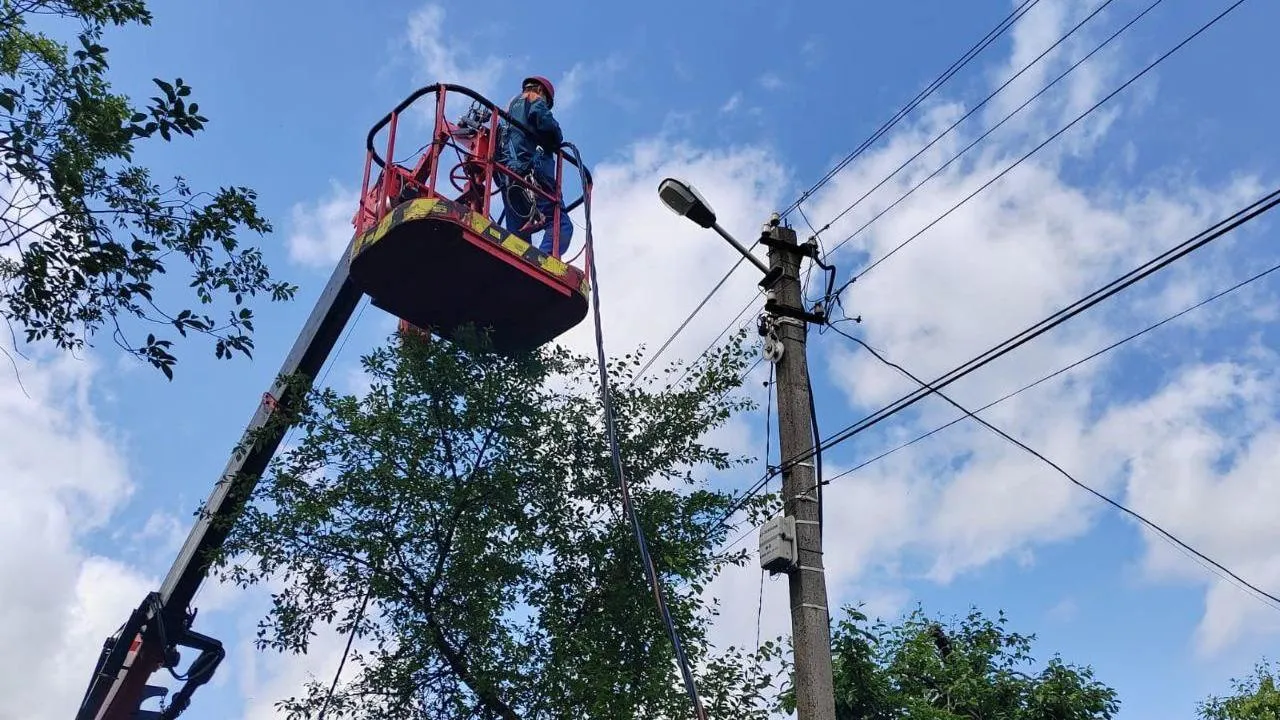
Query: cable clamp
[[767, 329], [772, 350]]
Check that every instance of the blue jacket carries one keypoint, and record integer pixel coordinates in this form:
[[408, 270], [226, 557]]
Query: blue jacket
[[518, 150]]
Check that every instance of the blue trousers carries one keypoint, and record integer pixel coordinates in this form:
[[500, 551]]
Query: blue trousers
[[518, 212]]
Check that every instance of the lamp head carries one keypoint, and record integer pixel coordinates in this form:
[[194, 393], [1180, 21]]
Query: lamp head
[[685, 201]]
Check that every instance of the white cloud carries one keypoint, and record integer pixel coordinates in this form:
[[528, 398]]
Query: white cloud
[[1210, 484], [321, 230], [1064, 611], [1021, 249], [444, 59], [770, 81], [581, 78], [61, 478], [654, 266], [732, 103], [811, 51], [1035, 33], [1026, 246]]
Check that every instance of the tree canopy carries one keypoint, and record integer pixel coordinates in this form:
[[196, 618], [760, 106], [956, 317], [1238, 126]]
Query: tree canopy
[[470, 500], [925, 668], [86, 232], [1253, 698]]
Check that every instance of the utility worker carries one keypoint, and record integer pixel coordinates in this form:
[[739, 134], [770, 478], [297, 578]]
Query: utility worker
[[533, 157]]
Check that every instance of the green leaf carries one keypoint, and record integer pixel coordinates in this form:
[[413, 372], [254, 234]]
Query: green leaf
[[116, 228]]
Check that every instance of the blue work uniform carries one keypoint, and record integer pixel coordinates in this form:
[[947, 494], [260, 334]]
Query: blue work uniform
[[523, 153]]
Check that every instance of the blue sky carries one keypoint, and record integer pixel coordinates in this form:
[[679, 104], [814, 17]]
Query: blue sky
[[753, 102]]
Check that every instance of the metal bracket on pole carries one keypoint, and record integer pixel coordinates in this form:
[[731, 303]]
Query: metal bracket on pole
[[775, 308], [771, 305]]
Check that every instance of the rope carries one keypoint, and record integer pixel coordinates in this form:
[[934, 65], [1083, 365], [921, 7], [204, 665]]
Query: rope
[[614, 449]]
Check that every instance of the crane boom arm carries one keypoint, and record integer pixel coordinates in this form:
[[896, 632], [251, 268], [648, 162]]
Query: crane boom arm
[[146, 641]]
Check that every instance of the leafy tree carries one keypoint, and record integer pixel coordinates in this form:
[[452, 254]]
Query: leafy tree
[[84, 230], [924, 669], [1254, 698], [470, 500]]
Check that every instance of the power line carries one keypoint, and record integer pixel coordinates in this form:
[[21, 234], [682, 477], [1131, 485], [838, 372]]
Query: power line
[[1170, 537], [351, 636], [1013, 17], [688, 368], [1056, 373], [1046, 378], [768, 437], [817, 238], [956, 66], [978, 107], [685, 323], [1215, 231], [1037, 148], [1209, 234], [932, 87]]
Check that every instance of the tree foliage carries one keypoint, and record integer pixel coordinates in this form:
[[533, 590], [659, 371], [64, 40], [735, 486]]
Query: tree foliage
[[926, 669], [85, 232], [470, 498], [1254, 698]]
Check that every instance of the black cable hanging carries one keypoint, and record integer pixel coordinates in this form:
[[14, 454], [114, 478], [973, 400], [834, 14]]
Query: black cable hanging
[[768, 438], [1165, 534], [1213, 232], [1225, 574], [1066, 368], [616, 452], [1204, 237]]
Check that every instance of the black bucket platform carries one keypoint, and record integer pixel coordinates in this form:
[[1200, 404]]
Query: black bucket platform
[[438, 265]]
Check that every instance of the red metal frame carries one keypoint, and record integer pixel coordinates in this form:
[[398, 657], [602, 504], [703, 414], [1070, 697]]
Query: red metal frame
[[473, 175]]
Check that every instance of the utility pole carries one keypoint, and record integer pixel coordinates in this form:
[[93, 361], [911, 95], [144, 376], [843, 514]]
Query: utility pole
[[793, 542], [786, 322]]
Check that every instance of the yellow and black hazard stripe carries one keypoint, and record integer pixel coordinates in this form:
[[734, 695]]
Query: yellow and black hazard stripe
[[477, 225]]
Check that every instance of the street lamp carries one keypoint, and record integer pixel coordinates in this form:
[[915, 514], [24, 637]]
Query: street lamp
[[685, 201], [792, 543]]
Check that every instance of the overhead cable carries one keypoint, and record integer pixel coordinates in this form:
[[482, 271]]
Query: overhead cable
[[1204, 237], [1157, 528], [1066, 368], [978, 107], [955, 67], [854, 277], [920, 97], [1061, 370]]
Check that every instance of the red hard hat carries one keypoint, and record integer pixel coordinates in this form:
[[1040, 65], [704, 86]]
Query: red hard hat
[[551, 89]]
